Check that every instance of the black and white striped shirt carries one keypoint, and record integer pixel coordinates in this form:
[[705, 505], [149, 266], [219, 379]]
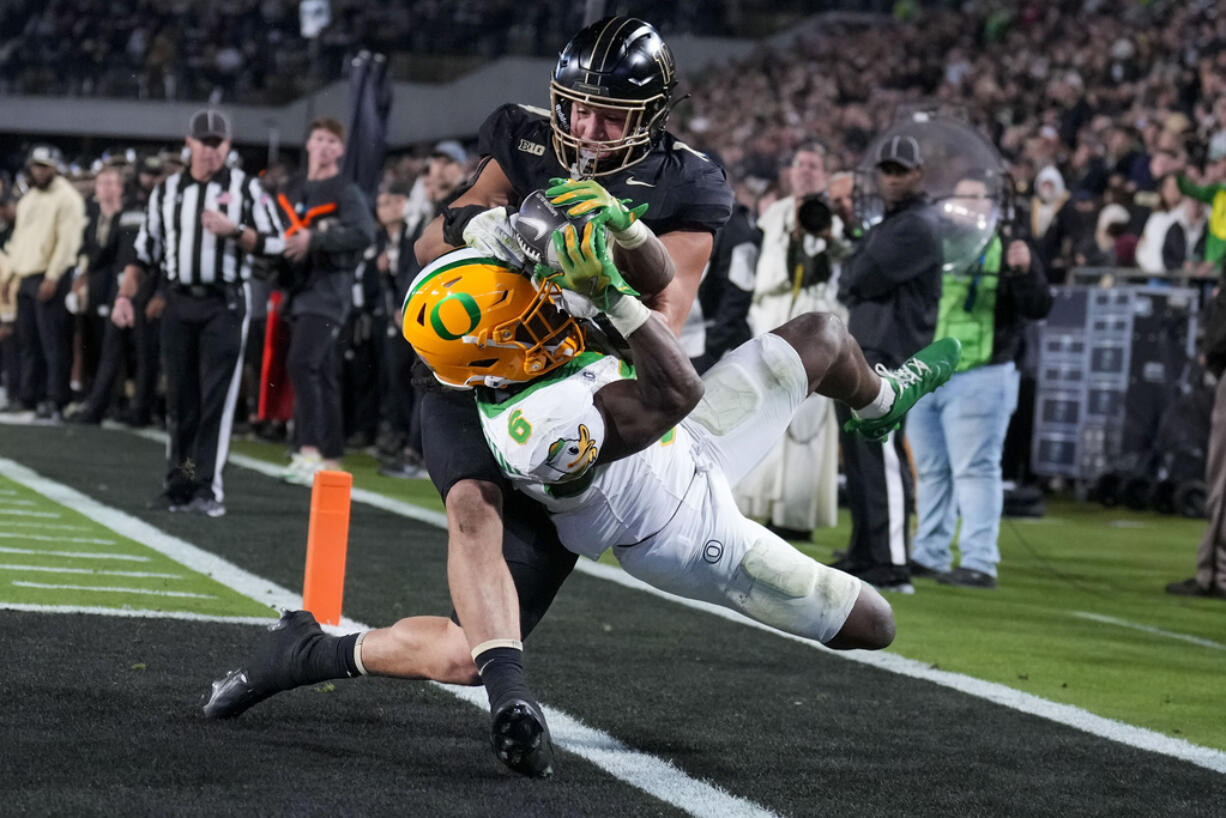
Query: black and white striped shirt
[[173, 239]]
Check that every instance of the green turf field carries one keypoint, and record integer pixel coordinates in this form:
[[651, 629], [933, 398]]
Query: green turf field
[[54, 556], [1043, 630]]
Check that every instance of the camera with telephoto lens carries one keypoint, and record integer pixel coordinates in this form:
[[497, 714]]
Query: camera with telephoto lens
[[814, 215]]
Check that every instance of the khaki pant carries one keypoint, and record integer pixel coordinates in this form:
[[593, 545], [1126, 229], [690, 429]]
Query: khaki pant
[[1211, 556]]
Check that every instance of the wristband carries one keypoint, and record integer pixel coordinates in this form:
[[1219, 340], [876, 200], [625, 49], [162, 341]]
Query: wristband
[[627, 314], [633, 236]]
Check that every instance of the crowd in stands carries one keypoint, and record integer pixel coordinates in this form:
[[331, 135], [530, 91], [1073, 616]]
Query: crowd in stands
[[1111, 114], [253, 51], [1084, 92]]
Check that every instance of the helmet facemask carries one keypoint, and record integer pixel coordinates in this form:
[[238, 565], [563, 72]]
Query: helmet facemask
[[644, 124]]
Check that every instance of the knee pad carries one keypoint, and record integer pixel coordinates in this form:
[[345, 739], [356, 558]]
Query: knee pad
[[781, 587]]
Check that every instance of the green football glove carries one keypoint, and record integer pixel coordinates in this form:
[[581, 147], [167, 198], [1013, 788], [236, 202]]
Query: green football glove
[[587, 197], [587, 266]]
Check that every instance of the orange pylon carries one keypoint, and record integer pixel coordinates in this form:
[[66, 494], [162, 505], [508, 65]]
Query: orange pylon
[[323, 586]]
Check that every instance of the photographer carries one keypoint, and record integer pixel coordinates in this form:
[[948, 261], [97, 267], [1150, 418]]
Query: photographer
[[958, 434], [891, 286], [329, 226], [795, 488]]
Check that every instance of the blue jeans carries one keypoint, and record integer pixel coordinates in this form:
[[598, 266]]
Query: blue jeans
[[957, 434]]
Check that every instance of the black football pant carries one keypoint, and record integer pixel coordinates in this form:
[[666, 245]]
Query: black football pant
[[880, 495], [202, 351], [314, 370], [44, 343]]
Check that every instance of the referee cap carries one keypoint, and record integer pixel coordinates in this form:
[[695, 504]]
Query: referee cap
[[209, 124], [901, 150]]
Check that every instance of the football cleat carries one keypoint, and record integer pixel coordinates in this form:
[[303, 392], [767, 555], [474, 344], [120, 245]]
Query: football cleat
[[521, 739], [275, 665], [920, 374]]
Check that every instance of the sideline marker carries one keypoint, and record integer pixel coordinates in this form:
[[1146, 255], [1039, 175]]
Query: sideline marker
[[323, 585]]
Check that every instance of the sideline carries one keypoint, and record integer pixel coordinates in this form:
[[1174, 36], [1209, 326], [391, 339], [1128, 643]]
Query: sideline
[[653, 775]]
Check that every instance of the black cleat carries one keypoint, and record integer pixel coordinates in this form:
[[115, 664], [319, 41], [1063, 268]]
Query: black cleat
[[521, 739], [274, 666]]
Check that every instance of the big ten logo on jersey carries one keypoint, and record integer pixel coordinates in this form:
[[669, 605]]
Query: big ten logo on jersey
[[534, 148]]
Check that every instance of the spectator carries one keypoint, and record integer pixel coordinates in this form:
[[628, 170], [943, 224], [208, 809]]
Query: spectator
[[957, 434], [891, 287], [115, 221], [795, 488], [1153, 254], [1050, 196], [400, 444], [41, 251], [330, 225]]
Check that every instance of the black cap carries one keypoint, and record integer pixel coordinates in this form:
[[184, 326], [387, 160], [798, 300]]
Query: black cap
[[151, 164], [901, 150], [208, 123]]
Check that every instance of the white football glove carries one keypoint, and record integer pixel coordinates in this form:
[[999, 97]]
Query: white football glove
[[491, 233]]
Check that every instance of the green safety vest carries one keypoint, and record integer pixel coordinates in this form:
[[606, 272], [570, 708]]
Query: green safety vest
[[968, 308]]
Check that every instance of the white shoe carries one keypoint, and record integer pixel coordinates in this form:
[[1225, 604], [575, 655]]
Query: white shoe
[[302, 468]]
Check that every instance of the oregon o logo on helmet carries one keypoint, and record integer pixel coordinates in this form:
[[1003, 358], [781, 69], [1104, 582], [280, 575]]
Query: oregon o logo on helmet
[[712, 551], [470, 307]]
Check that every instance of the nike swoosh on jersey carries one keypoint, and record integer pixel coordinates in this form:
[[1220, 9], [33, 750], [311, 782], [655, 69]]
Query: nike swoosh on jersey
[[632, 181]]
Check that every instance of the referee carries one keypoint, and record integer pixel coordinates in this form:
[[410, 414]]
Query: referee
[[200, 229]]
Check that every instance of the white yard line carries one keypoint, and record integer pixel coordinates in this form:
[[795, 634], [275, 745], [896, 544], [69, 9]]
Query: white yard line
[[137, 613], [5, 501], [45, 526], [41, 538], [91, 571], [76, 555], [1124, 623], [21, 583], [16, 512], [653, 775]]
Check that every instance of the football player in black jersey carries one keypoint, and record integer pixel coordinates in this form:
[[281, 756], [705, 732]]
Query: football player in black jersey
[[603, 140]]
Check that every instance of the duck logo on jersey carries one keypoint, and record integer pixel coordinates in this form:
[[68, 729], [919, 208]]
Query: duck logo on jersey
[[570, 457]]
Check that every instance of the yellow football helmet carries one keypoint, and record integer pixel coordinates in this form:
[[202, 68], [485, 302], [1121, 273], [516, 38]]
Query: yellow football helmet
[[475, 321]]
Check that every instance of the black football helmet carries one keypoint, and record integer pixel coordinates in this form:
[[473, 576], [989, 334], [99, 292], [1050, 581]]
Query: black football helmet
[[620, 63]]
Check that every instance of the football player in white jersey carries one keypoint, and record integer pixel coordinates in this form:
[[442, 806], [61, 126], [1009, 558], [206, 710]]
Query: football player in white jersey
[[640, 458]]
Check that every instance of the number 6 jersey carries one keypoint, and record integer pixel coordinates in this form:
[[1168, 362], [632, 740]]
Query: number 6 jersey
[[547, 438]]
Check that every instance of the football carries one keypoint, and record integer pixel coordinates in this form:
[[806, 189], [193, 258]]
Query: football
[[535, 223]]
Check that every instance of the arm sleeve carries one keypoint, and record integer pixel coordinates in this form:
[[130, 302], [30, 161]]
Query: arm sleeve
[[260, 213], [69, 229], [356, 230]]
